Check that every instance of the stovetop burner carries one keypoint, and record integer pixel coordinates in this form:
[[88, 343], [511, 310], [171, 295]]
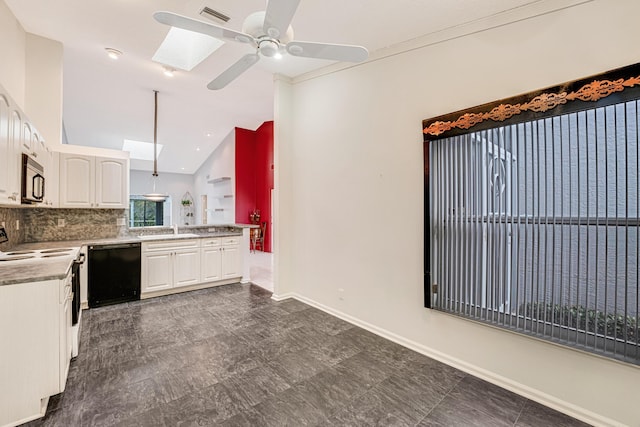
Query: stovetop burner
[[20, 252], [33, 255], [53, 251], [17, 258]]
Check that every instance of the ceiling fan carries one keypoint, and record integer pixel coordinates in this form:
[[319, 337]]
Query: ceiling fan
[[270, 33]]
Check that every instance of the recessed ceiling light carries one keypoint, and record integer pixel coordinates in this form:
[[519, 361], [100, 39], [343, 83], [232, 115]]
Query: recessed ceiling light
[[197, 148], [113, 53], [168, 71], [182, 168], [208, 134], [278, 55]]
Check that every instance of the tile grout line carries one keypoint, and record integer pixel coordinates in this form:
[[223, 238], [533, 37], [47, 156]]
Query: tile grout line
[[520, 413], [443, 397]]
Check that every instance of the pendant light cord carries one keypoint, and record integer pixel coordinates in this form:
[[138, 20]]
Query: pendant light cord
[[155, 132]]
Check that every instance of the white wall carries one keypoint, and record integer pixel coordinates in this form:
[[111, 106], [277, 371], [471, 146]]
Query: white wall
[[31, 71], [13, 47], [352, 175], [174, 184], [43, 91], [222, 162]]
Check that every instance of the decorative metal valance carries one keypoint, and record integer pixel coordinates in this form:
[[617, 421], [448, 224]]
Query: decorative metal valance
[[596, 91]]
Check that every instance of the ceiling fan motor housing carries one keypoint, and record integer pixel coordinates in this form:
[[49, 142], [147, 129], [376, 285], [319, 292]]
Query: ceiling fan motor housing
[[254, 24]]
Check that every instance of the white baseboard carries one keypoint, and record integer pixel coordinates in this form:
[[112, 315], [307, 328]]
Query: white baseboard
[[506, 383], [284, 296]]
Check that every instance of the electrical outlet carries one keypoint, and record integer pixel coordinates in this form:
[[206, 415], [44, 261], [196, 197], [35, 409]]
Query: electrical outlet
[[17, 224], [61, 222], [120, 221], [341, 294]]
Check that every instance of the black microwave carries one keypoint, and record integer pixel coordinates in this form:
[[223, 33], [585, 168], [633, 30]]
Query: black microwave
[[32, 180]]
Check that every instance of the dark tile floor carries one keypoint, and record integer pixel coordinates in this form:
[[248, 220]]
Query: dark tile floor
[[231, 356]]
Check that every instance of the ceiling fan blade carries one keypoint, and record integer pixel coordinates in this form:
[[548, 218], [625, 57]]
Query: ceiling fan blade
[[336, 52], [234, 71], [278, 17], [186, 23]]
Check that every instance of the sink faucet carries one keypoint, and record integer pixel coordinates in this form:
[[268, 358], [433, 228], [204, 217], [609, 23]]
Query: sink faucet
[[175, 228]]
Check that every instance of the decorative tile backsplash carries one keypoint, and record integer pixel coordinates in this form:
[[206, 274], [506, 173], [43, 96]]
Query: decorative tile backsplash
[[73, 224], [9, 216]]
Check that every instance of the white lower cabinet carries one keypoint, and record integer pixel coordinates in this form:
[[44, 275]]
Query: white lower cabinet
[[168, 265], [221, 259], [66, 343], [157, 271], [186, 267], [211, 264], [231, 258], [36, 347]]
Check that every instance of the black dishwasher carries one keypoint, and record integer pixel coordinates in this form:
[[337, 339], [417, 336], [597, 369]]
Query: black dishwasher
[[114, 274]]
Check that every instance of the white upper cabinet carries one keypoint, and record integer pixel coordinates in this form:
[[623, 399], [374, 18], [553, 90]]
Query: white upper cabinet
[[5, 147], [10, 139], [77, 181], [27, 137], [93, 182], [18, 135], [112, 186]]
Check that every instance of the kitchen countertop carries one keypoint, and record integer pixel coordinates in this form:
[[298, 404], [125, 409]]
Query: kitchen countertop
[[51, 269], [37, 271]]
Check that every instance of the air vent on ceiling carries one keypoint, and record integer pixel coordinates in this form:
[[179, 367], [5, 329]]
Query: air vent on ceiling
[[207, 12]]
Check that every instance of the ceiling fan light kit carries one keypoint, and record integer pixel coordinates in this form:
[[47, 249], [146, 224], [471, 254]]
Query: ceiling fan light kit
[[270, 33], [268, 48]]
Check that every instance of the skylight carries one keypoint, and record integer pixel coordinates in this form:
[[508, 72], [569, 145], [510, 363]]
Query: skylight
[[184, 49], [139, 149]]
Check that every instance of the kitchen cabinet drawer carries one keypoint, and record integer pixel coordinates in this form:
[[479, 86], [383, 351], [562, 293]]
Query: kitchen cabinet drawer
[[207, 243], [231, 241], [168, 245]]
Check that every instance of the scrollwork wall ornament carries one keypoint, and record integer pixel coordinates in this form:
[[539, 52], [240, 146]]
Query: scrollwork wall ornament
[[468, 120], [546, 102], [504, 111], [591, 92], [597, 89]]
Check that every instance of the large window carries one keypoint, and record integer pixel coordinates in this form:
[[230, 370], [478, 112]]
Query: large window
[[534, 227], [145, 213]]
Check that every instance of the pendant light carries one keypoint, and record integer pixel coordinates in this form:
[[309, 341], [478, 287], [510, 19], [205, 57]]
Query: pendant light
[[154, 195]]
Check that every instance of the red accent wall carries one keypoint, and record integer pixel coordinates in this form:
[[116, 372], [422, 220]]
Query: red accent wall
[[254, 175], [245, 175]]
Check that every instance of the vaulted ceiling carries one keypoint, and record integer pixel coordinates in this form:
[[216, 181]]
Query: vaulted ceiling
[[107, 101]]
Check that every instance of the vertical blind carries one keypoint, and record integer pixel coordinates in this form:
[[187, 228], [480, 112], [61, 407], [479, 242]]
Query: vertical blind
[[534, 228]]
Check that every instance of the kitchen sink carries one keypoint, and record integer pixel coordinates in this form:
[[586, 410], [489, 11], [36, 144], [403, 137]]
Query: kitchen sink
[[168, 236]]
